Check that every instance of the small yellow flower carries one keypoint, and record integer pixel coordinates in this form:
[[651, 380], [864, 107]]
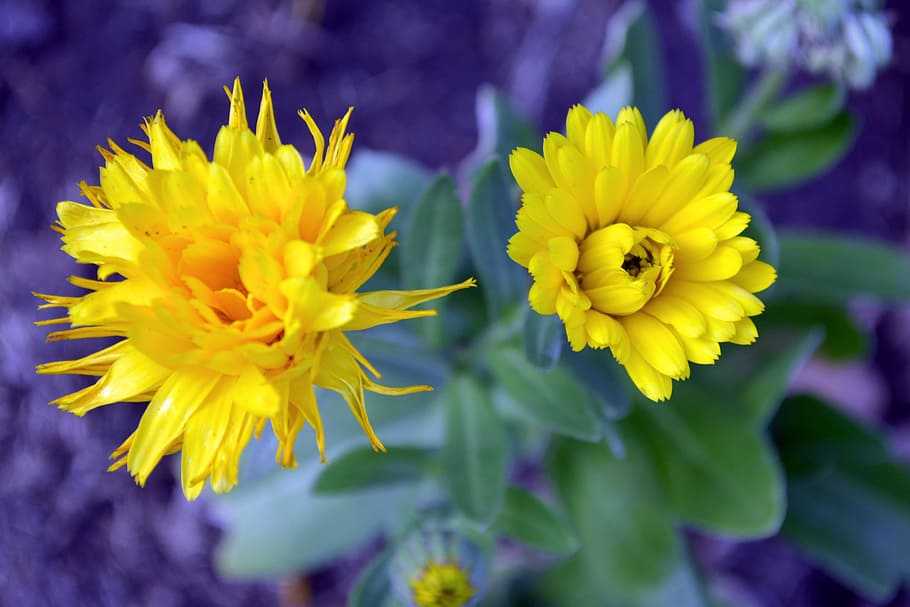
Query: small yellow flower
[[636, 244], [232, 283], [442, 585]]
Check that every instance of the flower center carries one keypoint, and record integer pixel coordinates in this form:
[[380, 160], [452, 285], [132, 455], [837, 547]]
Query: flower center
[[620, 268], [442, 585]]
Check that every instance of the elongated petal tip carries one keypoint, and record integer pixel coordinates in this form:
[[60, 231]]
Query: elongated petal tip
[[266, 127], [237, 117]]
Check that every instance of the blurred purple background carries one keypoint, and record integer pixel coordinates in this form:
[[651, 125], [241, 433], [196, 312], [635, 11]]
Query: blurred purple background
[[74, 73]]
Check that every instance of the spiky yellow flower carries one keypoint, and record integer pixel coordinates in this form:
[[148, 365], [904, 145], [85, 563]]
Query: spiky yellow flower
[[636, 245], [232, 283], [442, 585]]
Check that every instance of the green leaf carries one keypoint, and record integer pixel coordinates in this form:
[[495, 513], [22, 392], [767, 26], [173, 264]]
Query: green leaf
[[814, 437], [363, 468], [281, 528], [526, 518], [849, 500], [757, 377], [379, 180], [605, 378], [554, 400], [474, 456], [719, 471], [431, 247], [837, 267], [807, 109], [844, 339], [373, 588], [783, 160], [490, 222], [543, 336], [631, 554], [632, 42], [724, 75], [431, 242]]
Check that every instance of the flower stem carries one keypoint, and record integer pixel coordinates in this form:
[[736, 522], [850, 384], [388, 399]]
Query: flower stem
[[742, 118]]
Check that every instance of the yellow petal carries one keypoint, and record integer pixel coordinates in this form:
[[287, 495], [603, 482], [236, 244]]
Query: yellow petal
[[651, 382], [204, 434], [747, 247], [164, 144], [132, 374], [686, 179], [756, 276], [677, 312], [266, 127], [610, 189], [351, 230], [628, 151], [237, 116], [603, 330], [165, 418], [598, 143], [657, 344], [521, 248], [301, 394], [719, 149], [530, 171], [311, 308], [577, 121], [222, 197], [746, 332], [723, 263], [633, 117], [566, 212], [694, 245], [563, 253], [733, 226], [700, 350], [671, 141], [707, 300], [710, 211], [644, 193], [255, 393]]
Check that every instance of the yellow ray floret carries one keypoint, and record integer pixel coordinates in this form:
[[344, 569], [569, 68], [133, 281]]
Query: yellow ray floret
[[635, 243], [231, 282]]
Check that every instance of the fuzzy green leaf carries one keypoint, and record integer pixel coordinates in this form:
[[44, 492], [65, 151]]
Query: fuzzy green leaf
[[783, 160], [489, 220], [805, 109], [554, 400], [475, 453], [836, 267], [849, 499], [363, 468], [544, 337], [526, 518]]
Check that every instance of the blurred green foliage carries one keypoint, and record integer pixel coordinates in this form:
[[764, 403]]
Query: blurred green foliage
[[613, 480]]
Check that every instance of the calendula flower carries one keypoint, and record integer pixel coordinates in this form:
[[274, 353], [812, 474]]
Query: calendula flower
[[849, 40], [636, 245], [437, 567], [230, 284]]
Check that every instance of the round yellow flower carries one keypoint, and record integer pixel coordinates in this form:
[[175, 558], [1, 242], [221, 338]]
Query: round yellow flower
[[231, 283], [442, 585], [636, 245]]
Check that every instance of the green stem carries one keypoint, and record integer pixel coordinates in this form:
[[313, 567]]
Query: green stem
[[742, 118]]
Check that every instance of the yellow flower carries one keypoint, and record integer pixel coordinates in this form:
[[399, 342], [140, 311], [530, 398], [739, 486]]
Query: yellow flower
[[636, 245], [231, 283], [442, 585]]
